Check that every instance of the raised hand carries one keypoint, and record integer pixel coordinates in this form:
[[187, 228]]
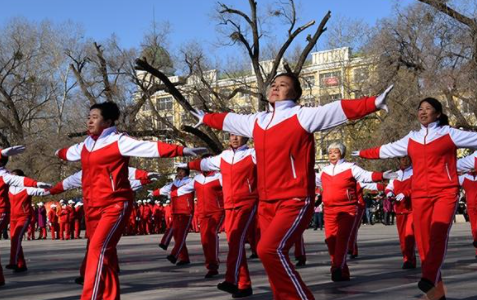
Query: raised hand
[[355, 153], [390, 175], [380, 101], [14, 150], [199, 115], [195, 151], [43, 185], [183, 165]]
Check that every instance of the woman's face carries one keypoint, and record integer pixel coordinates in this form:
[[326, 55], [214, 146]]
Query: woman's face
[[96, 124], [427, 114], [281, 89], [334, 155], [236, 141]]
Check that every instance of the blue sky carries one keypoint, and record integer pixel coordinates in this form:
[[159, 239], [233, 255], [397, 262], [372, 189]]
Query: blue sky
[[189, 20]]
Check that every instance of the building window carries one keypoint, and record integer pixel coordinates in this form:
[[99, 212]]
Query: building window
[[164, 103], [309, 81], [330, 79], [360, 74]]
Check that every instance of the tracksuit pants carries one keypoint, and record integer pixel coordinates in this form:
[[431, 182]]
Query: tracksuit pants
[[18, 227], [64, 230], [77, 229], [42, 233], [167, 237], [237, 223], [407, 240], [54, 228], [353, 242], [340, 221], [472, 212], [282, 223], [114, 260], [4, 220], [209, 237], [433, 218], [180, 229], [104, 226], [300, 253], [31, 230], [253, 236]]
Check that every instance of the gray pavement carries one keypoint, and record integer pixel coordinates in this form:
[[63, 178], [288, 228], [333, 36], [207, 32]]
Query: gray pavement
[[146, 274]]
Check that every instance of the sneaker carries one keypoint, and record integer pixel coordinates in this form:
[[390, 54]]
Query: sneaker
[[301, 263], [10, 267], [475, 244], [211, 274], [20, 270], [242, 293], [228, 287], [172, 259], [253, 256], [162, 246], [2, 283], [79, 280], [183, 262], [337, 276], [408, 265]]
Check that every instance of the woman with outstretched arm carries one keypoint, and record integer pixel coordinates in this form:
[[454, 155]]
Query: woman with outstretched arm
[[285, 152], [435, 185]]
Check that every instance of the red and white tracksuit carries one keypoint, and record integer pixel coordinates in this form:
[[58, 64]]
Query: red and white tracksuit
[[53, 222], [20, 200], [7, 180], [158, 213], [146, 218], [340, 201], [108, 197], [64, 218], [360, 187], [285, 150], [239, 183], [182, 214], [435, 187], [210, 211], [404, 217]]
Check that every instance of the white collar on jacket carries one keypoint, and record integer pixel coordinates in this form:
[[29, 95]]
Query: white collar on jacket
[[241, 148], [431, 126], [281, 105], [102, 141]]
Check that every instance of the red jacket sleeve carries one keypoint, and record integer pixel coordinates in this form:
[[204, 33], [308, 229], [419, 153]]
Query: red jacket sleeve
[[372, 153], [377, 176], [57, 189], [359, 108], [169, 150], [195, 165], [215, 120]]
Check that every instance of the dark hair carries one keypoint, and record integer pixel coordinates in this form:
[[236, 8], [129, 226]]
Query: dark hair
[[3, 160], [187, 171], [443, 118], [295, 81], [18, 172], [206, 155], [109, 110]]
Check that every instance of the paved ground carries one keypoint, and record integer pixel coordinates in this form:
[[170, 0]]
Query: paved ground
[[146, 274]]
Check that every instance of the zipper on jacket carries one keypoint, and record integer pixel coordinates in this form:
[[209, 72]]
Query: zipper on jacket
[[112, 182], [292, 161], [249, 186], [448, 173]]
